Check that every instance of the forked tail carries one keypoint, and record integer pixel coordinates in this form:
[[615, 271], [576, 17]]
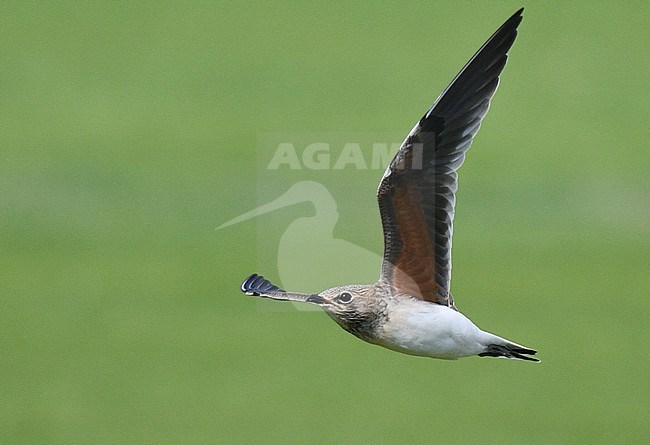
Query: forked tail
[[509, 350]]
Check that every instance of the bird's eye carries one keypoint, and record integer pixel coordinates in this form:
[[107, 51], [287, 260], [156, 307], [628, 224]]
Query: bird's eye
[[345, 297]]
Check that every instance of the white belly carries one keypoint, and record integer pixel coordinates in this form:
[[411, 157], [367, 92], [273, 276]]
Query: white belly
[[421, 328]]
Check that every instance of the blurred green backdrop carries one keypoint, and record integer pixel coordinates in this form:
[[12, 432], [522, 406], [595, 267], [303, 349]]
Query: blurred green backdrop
[[130, 130]]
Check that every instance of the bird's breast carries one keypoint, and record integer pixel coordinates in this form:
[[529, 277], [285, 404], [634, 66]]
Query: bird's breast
[[422, 328]]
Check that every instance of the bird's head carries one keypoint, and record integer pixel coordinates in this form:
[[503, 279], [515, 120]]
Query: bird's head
[[355, 308], [344, 299]]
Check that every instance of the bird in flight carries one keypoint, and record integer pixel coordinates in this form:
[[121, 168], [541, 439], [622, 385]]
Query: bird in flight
[[411, 309]]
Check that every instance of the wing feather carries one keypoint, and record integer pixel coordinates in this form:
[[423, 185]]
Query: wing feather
[[417, 194]]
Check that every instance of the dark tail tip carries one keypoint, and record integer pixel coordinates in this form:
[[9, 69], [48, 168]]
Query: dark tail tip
[[257, 284], [513, 352]]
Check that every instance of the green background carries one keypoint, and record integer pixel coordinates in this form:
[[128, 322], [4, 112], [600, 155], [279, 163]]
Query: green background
[[129, 131]]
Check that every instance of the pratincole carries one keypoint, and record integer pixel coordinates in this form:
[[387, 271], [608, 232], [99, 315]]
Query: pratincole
[[410, 309]]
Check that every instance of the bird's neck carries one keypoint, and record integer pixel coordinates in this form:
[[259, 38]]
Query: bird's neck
[[364, 324]]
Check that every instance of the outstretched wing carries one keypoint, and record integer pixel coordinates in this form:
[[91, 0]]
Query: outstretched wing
[[417, 193]]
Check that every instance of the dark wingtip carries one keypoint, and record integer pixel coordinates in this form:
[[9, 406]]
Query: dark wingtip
[[525, 357], [256, 284], [512, 23], [524, 351], [495, 49], [509, 27], [516, 16], [510, 352]]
